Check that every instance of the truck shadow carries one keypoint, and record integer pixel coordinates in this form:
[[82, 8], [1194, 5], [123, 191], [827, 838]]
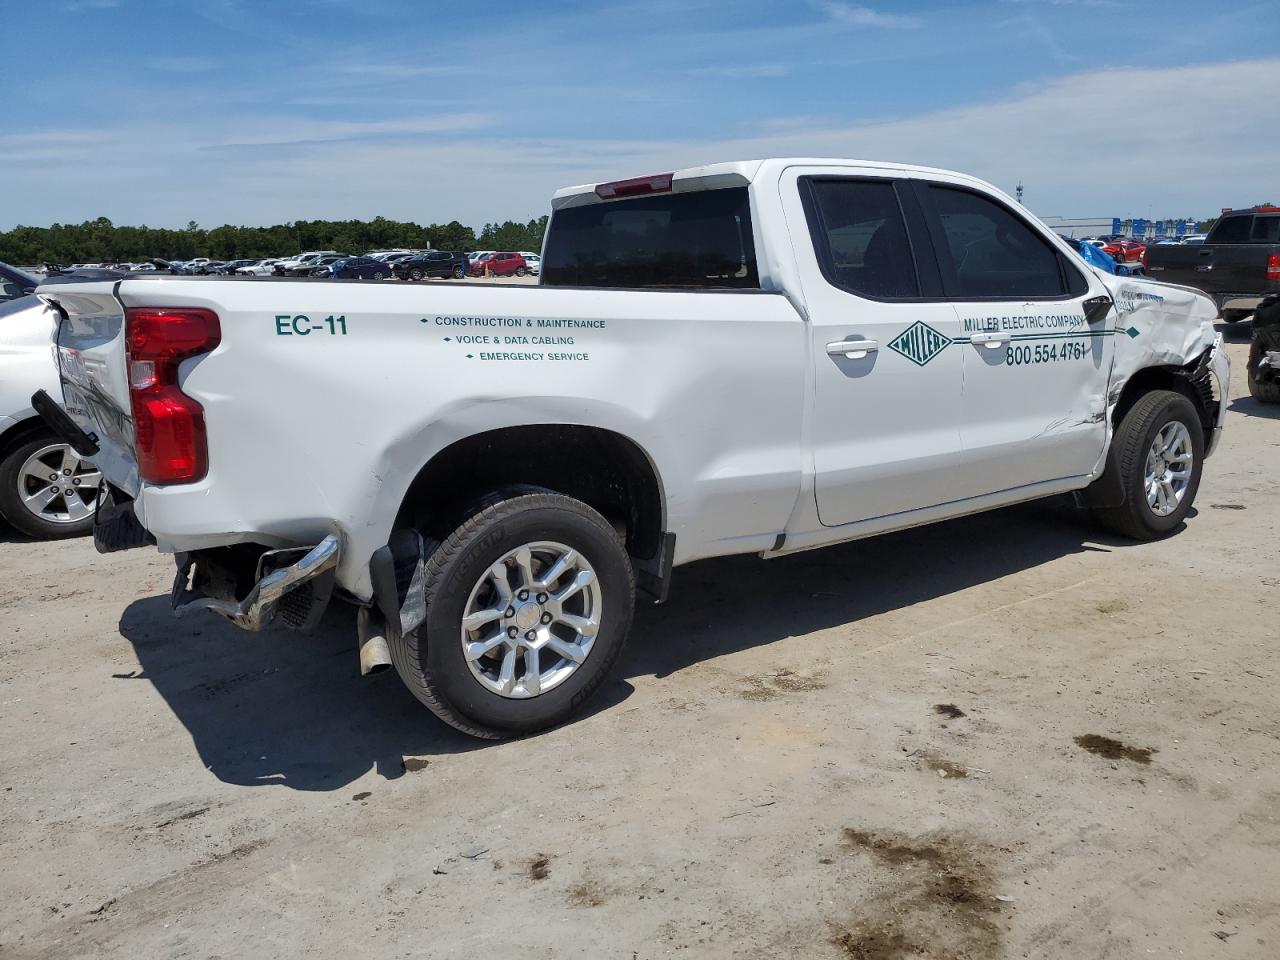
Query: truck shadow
[[1249, 407], [721, 606], [287, 709], [280, 708]]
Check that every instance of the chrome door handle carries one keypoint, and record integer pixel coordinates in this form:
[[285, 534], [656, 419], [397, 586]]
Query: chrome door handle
[[852, 349], [992, 341]]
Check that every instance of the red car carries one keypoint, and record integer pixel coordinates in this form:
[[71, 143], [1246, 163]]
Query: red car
[[500, 265], [1125, 250]]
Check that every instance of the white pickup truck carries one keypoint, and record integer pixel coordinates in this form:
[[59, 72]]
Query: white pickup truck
[[758, 357]]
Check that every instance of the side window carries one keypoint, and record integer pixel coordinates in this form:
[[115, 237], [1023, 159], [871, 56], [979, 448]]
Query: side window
[[860, 238], [1266, 230], [1231, 230], [989, 252]]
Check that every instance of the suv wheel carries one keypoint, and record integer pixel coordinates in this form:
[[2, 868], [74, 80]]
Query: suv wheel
[[416, 273], [46, 490], [1267, 391], [528, 605], [378, 274], [521, 271], [1156, 454], [459, 273]]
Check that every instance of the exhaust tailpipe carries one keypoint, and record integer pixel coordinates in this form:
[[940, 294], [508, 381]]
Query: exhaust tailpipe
[[375, 654]]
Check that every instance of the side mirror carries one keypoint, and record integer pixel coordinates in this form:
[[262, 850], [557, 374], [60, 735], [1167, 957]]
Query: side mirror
[[1096, 309], [27, 291]]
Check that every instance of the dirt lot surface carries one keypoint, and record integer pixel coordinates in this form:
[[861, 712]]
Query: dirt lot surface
[[1004, 736]]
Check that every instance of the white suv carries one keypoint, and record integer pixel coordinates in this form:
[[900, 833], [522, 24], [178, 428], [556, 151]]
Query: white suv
[[46, 490]]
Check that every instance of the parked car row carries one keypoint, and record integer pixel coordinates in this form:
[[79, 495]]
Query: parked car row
[[397, 264]]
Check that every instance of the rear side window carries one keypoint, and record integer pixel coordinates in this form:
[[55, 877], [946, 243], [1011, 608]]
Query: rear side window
[[700, 240], [1266, 230], [860, 237], [1231, 230], [989, 253]]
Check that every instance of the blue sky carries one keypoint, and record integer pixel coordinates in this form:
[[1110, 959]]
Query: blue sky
[[260, 111]]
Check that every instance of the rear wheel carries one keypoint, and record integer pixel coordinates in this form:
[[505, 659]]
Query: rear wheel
[[46, 490], [521, 271], [1267, 391], [1156, 456], [459, 273], [528, 605]]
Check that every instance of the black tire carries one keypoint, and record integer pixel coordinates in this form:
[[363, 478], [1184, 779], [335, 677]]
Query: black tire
[[1267, 392], [11, 506], [416, 274], [1235, 316], [378, 274], [521, 271], [430, 660], [459, 273], [1126, 462]]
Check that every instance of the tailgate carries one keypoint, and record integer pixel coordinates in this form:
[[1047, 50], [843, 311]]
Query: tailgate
[[93, 371]]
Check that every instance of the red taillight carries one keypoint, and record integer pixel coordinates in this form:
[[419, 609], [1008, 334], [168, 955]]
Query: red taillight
[[1273, 268], [658, 183], [169, 430], [1145, 251]]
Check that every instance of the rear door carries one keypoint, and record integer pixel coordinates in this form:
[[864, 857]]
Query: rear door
[[887, 379], [1035, 369]]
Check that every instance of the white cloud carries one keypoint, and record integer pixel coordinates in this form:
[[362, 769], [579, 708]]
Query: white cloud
[[1170, 145], [859, 16]]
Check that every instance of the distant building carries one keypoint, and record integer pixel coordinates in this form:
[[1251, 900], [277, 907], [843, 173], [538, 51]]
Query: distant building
[[1139, 229], [1075, 229]]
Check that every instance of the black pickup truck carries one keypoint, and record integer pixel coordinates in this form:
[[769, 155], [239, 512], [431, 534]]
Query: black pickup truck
[[1238, 263]]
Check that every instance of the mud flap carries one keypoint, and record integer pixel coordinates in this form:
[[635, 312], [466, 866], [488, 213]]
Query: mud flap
[[398, 574], [115, 525]]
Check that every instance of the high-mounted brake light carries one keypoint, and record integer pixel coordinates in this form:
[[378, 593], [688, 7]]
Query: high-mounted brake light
[[168, 425], [1273, 268], [658, 183], [1266, 208]]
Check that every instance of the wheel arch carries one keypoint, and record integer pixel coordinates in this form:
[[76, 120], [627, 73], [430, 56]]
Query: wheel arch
[[1192, 380], [603, 468], [20, 431]]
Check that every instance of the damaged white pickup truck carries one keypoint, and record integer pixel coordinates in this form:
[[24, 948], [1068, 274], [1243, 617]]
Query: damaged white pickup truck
[[758, 357]]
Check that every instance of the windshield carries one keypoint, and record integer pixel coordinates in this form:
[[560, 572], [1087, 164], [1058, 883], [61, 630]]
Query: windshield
[[701, 239]]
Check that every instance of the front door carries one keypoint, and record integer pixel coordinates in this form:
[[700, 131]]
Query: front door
[[885, 428], [1036, 367]]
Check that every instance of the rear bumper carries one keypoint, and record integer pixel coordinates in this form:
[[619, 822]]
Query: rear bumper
[[1233, 301], [295, 584]]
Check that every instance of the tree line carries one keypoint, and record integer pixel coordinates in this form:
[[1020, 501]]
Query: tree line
[[101, 241]]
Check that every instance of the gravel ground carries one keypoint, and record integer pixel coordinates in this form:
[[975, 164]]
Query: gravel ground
[[1004, 736]]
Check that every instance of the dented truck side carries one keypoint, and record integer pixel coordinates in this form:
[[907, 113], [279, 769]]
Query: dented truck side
[[759, 357]]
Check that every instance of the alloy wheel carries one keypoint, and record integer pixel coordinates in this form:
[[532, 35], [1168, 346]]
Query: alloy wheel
[[1168, 472], [56, 486], [531, 619]]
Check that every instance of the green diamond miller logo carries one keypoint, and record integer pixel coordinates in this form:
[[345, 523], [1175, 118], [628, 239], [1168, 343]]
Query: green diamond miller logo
[[919, 343]]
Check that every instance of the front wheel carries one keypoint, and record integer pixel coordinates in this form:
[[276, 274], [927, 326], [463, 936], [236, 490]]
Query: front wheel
[[416, 274], [459, 273], [528, 605], [1156, 455], [378, 274], [521, 271]]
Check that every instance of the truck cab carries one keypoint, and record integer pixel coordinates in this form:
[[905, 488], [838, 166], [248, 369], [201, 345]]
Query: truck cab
[[1237, 264]]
